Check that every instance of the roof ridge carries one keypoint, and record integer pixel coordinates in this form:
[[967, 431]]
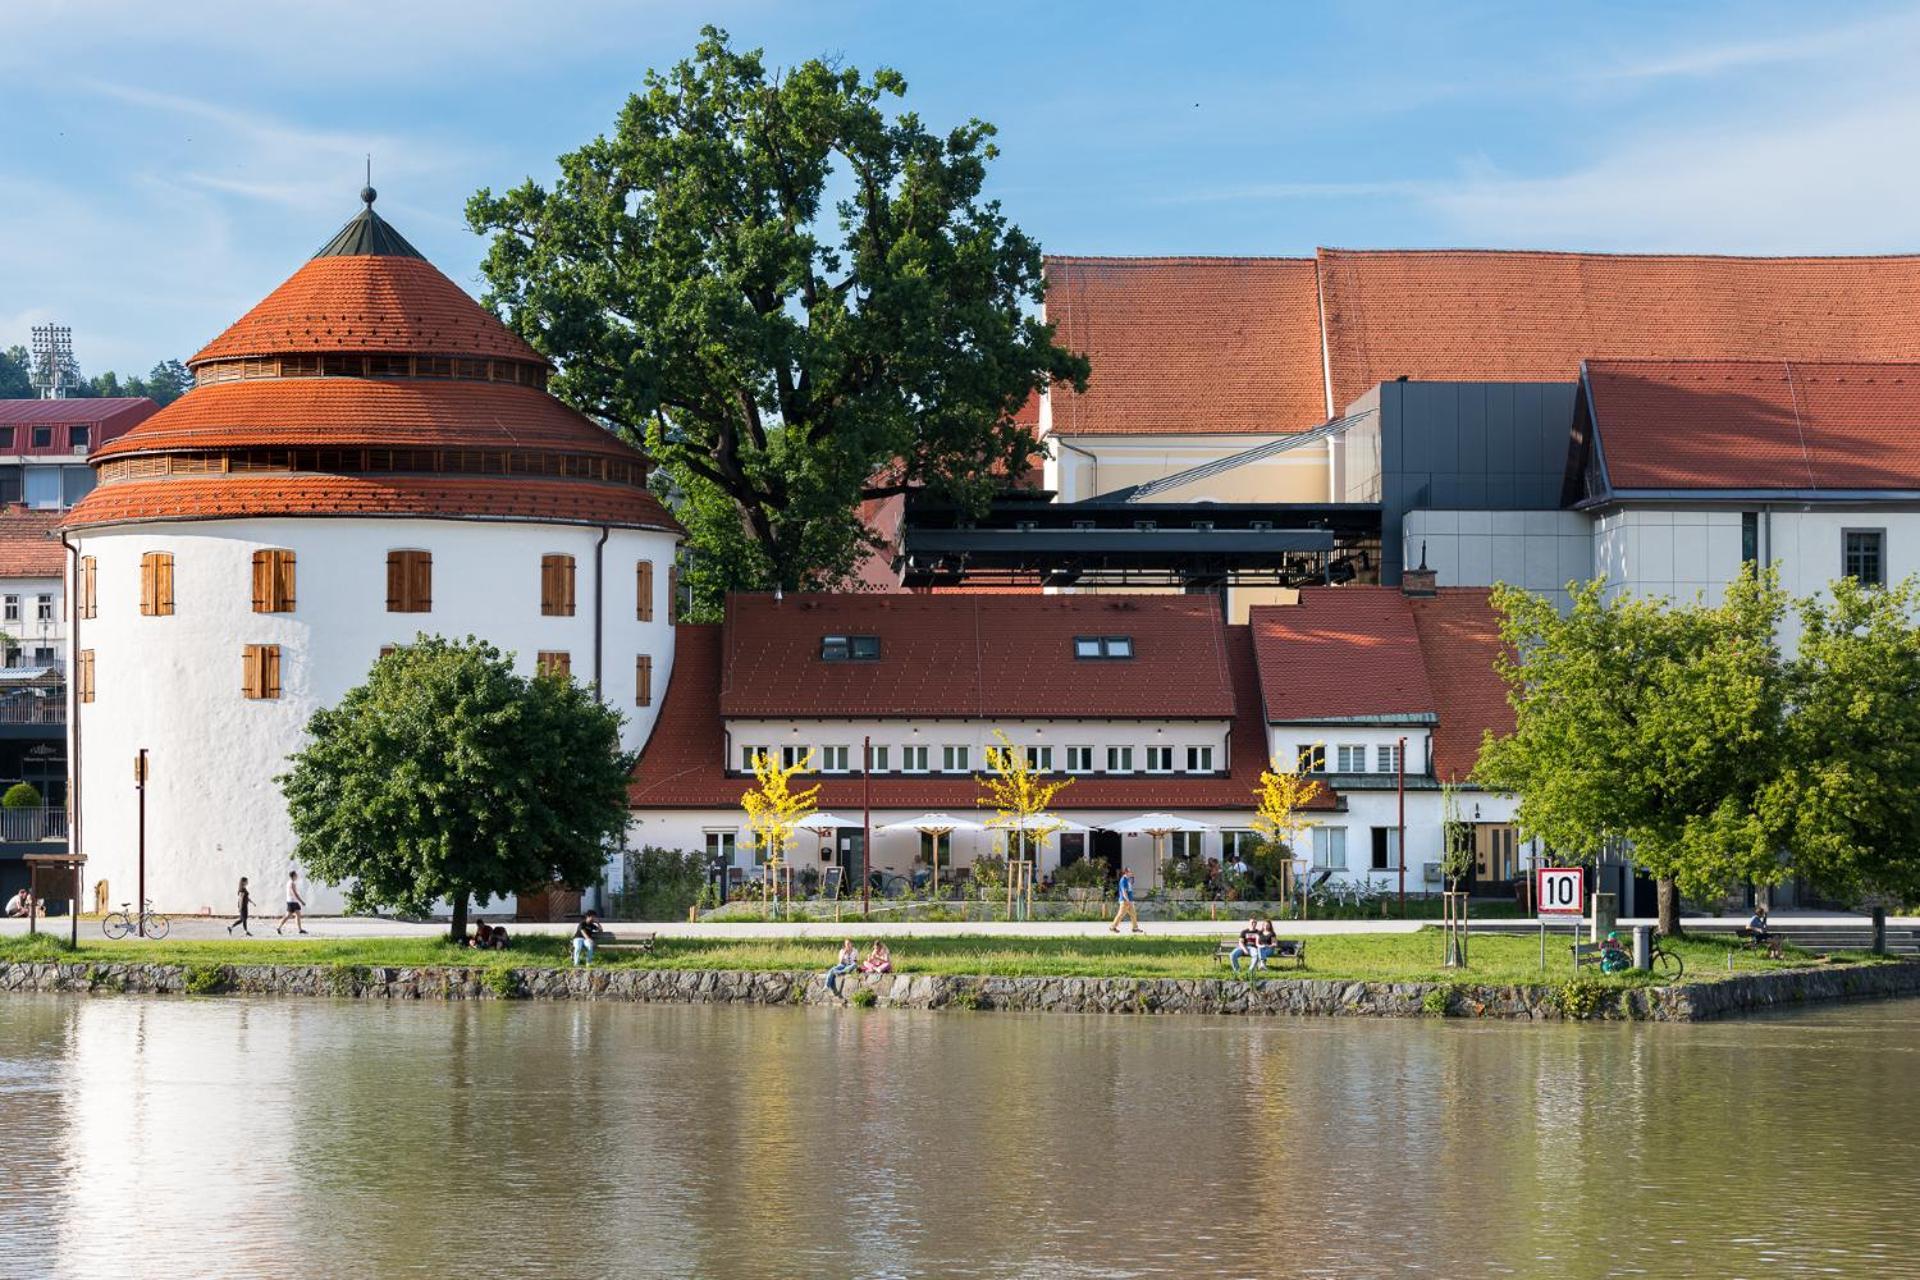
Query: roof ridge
[[1627, 255]]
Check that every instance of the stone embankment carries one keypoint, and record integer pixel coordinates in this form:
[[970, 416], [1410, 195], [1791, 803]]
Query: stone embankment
[[1685, 1002]]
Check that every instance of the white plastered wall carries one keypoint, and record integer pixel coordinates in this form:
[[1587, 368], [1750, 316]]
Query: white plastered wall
[[174, 684]]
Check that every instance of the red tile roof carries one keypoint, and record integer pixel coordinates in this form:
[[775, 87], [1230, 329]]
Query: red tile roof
[[975, 656], [1757, 425], [1460, 640], [368, 303], [1258, 345], [29, 547], [1185, 346], [682, 765], [1476, 315], [539, 500], [1341, 653], [116, 413], [1344, 653], [280, 413]]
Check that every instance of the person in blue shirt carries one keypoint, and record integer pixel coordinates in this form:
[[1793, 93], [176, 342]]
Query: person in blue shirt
[[1127, 910]]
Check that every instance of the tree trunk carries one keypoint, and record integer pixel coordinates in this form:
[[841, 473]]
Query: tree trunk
[[457, 931], [1669, 894]]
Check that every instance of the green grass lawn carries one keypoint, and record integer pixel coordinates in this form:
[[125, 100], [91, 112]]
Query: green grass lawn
[[1373, 957]]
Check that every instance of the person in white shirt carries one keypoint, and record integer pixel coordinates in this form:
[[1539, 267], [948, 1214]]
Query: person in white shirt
[[295, 905]]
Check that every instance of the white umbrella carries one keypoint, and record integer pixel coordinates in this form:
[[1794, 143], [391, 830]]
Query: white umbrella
[[1049, 821], [935, 825], [823, 823], [1157, 825]]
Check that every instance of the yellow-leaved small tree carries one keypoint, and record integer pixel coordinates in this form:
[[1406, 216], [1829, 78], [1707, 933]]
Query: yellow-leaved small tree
[[1278, 802], [774, 809], [1021, 798]]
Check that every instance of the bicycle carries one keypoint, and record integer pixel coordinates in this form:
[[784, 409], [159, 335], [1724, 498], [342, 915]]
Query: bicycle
[[1666, 963], [149, 922]]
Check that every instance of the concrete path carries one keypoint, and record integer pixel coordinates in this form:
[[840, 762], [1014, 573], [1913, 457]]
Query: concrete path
[[341, 927]]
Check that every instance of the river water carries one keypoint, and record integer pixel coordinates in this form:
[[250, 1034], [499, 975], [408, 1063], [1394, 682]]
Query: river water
[[312, 1138]]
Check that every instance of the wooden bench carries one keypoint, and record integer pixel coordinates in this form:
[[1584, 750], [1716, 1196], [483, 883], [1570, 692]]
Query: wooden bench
[[1294, 949], [639, 943]]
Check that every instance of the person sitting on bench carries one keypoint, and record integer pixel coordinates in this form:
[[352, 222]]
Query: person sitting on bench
[[1269, 943], [1249, 948], [1757, 927], [585, 936]]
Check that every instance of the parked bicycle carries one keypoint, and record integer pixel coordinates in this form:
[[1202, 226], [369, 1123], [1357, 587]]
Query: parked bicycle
[[1666, 963], [149, 922]]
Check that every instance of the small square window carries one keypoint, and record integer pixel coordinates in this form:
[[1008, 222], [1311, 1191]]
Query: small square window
[[1119, 759], [877, 760], [1313, 759], [1099, 647], [1079, 759], [913, 759], [791, 756], [1388, 757], [833, 759], [1159, 759], [1199, 759], [954, 759], [750, 754], [1864, 556], [1119, 646], [866, 648], [833, 648], [1086, 647], [1350, 759]]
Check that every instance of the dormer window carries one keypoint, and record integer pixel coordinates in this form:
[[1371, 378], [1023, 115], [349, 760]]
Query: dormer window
[[849, 648], [1098, 647]]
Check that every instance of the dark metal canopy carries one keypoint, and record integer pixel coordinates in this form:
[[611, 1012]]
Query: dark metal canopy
[[367, 233]]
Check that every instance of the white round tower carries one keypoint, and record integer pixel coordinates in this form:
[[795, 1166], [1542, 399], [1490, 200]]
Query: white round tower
[[367, 455]]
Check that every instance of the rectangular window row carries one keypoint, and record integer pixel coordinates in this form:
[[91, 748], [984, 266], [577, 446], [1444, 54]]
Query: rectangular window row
[[409, 585], [959, 758], [1312, 758]]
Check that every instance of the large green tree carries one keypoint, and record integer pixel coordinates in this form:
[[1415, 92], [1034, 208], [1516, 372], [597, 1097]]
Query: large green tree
[[1652, 723], [16, 380], [1847, 794], [448, 776], [796, 300]]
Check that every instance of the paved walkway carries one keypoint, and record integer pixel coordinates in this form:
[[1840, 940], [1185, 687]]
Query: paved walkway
[[341, 927]]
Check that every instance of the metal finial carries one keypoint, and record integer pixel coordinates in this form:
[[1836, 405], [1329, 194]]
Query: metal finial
[[367, 193]]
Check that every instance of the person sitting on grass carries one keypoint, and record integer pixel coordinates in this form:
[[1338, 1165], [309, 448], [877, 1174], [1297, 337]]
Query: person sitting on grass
[[1248, 948], [20, 903], [879, 960], [849, 961], [1614, 957], [585, 934], [498, 940]]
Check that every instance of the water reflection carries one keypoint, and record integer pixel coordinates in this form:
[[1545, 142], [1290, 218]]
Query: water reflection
[[236, 1137]]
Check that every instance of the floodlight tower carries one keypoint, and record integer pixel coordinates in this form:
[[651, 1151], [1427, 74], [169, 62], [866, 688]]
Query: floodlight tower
[[54, 368]]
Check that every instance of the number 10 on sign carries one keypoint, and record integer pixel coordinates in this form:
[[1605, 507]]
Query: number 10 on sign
[[1561, 890]]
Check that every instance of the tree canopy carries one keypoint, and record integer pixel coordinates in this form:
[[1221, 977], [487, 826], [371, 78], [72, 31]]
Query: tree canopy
[[796, 301], [165, 383], [448, 776], [1847, 795], [1650, 722]]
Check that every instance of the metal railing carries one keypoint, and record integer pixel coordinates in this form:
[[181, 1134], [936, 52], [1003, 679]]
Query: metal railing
[[39, 823], [46, 705]]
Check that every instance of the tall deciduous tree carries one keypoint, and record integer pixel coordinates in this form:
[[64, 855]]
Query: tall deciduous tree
[[1654, 723], [797, 301], [448, 776], [1847, 796]]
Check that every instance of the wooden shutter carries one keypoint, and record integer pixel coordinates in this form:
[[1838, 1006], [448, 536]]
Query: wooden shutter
[[409, 582], [156, 584], [556, 586], [643, 680], [260, 671], [283, 580], [164, 584], [86, 675], [643, 591], [89, 586], [555, 662], [262, 583]]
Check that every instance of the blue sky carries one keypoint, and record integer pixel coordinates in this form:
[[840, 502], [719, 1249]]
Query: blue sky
[[162, 165]]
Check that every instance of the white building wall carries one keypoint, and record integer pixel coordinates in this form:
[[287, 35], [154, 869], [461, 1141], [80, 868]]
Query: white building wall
[[1541, 551], [977, 736], [1086, 465], [33, 611], [174, 684], [687, 829], [1286, 741]]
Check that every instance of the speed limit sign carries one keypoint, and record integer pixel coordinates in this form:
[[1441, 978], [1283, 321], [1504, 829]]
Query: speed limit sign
[[1561, 890]]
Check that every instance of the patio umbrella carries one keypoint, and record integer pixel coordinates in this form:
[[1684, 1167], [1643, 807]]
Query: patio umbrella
[[824, 824], [935, 825], [1157, 825]]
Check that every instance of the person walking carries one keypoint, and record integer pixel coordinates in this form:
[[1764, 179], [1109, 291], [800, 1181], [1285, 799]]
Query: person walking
[[245, 902], [296, 905], [1127, 910]]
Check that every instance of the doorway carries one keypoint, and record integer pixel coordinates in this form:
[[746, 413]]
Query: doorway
[[1106, 847]]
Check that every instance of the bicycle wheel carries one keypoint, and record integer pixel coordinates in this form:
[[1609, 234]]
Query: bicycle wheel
[[157, 925], [1669, 964], [116, 925]]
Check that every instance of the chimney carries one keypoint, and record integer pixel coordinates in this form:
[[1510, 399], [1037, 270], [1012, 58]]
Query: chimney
[[1422, 581]]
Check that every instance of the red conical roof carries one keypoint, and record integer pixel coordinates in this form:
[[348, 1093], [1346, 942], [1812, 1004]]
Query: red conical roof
[[370, 383]]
